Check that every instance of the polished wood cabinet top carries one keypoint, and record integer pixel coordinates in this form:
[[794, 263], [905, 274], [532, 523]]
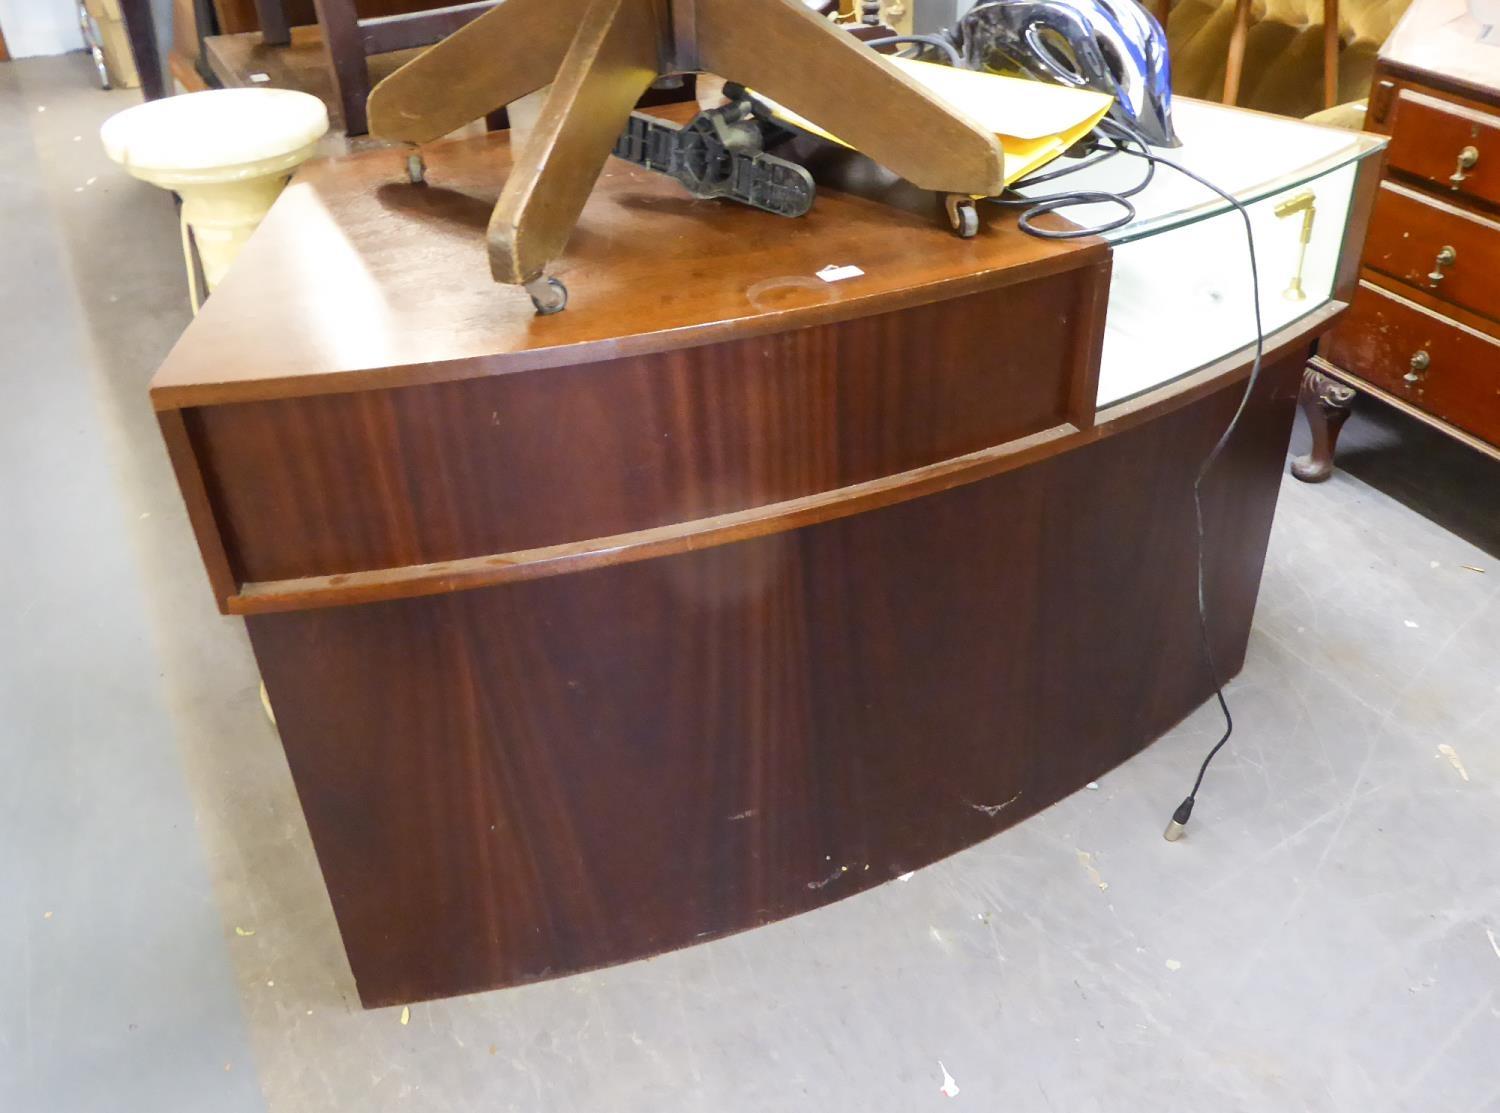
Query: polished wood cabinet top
[[359, 279], [1441, 38]]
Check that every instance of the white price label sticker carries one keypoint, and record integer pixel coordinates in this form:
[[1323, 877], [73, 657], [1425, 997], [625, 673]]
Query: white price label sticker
[[833, 273]]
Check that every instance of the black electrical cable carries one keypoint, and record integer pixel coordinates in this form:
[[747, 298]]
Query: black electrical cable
[[1124, 136], [1093, 160], [1034, 207], [1184, 810], [954, 58]]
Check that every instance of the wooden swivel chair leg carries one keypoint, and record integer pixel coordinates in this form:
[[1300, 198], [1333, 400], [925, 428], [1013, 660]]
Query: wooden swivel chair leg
[[801, 61], [601, 55], [511, 50], [612, 61], [1236, 62], [274, 28]]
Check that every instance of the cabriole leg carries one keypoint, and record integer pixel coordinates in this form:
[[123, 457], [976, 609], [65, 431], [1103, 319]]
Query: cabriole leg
[[1326, 403]]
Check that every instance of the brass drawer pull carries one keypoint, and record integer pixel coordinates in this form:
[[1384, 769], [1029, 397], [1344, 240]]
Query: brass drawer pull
[[1419, 364], [1445, 258], [1468, 158]]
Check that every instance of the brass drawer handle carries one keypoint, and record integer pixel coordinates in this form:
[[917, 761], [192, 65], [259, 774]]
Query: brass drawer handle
[[1445, 258], [1468, 158], [1419, 364]]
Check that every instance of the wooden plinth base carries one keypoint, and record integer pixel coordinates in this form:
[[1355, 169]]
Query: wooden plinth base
[[520, 782]]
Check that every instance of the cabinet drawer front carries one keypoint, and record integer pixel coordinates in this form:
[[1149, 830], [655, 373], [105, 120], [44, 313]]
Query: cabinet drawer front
[[1460, 382], [1434, 139], [1414, 238]]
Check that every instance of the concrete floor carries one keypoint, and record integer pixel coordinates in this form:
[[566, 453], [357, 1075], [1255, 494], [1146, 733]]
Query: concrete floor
[[1327, 938]]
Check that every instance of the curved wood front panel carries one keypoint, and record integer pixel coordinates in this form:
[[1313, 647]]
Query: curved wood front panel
[[524, 781], [343, 483]]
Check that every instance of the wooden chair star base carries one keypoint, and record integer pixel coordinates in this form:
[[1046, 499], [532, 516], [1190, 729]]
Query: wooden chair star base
[[599, 57]]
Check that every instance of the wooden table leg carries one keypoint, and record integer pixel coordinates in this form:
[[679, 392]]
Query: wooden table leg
[[140, 28], [1235, 64], [611, 63], [274, 28], [346, 60], [1326, 403]]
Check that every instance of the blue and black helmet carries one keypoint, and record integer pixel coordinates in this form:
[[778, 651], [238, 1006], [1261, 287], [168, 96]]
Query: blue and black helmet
[[1112, 46]]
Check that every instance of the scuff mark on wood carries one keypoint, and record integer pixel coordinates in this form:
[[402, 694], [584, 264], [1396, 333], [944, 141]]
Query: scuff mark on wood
[[993, 810]]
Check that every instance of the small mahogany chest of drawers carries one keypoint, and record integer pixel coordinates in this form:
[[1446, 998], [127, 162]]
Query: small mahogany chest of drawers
[[1424, 330]]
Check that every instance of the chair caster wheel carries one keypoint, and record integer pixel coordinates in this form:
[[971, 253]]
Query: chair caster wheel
[[548, 295], [963, 215], [416, 168]]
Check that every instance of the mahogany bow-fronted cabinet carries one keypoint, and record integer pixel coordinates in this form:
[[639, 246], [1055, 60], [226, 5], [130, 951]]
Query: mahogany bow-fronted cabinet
[[1424, 332], [741, 586]]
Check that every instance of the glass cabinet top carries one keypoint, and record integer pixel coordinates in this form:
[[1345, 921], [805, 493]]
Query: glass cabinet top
[[1250, 155]]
